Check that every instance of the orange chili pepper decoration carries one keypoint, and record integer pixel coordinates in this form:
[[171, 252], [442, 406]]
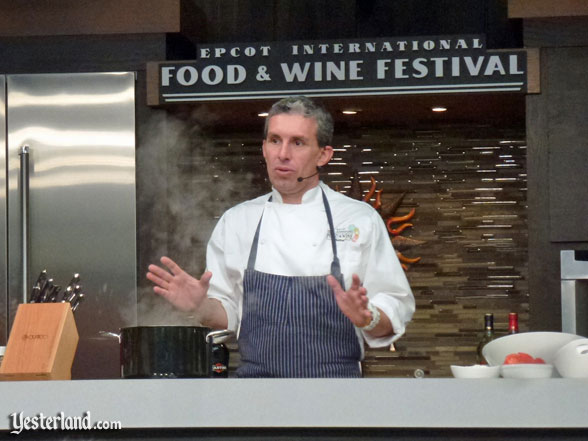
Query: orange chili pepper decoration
[[397, 231], [405, 259], [371, 191], [406, 217]]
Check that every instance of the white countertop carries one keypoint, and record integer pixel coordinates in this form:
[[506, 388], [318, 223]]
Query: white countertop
[[309, 403]]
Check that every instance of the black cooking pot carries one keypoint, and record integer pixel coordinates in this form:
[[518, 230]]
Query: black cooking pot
[[167, 351]]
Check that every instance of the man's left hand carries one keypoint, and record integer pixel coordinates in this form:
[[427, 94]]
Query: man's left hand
[[353, 302]]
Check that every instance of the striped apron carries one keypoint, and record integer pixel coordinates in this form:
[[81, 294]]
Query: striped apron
[[292, 326]]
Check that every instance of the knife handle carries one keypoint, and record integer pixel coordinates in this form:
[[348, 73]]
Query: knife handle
[[67, 294], [75, 280], [76, 303], [52, 297], [45, 291], [35, 293]]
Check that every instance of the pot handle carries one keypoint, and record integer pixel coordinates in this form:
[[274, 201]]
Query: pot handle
[[216, 334], [110, 334]]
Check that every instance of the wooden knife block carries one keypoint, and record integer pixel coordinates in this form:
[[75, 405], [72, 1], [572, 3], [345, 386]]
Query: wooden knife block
[[42, 343]]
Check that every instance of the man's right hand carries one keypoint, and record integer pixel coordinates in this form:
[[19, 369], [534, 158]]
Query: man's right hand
[[178, 287]]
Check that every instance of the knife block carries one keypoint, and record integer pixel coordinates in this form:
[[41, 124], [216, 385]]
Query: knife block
[[42, 343]]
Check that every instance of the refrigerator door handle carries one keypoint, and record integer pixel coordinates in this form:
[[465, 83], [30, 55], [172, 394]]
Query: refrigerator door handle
[[24, 212]]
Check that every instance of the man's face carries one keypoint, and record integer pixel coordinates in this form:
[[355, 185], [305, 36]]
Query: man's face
[[291, 151]]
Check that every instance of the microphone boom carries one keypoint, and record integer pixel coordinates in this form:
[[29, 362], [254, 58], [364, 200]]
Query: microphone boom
[[300, 178]]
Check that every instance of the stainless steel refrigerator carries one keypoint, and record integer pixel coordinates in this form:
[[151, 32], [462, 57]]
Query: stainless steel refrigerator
[[67, 201]]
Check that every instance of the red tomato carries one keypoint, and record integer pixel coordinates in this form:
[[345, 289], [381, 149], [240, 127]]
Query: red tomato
[[519, 357], [522, 357]]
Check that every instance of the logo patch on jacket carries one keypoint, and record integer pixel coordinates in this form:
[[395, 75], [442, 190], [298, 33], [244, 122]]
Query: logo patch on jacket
[[343, 234]]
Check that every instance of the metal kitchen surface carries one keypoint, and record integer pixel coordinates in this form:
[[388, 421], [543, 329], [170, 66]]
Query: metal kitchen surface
[[70, 189]]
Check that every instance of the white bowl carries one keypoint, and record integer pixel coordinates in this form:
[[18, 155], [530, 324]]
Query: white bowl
[[571, 361], [475, 371], [528, 371], [537, 344]]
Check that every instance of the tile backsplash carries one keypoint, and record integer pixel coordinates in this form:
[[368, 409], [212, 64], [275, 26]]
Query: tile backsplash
[[468, 188]]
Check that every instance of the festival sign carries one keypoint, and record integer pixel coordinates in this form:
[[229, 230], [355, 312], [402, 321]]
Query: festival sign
[[382, 66]]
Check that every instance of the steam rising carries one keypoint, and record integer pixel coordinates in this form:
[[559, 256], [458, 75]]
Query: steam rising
[[188, 180]]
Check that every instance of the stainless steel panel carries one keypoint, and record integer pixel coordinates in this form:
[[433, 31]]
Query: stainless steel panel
[[568, 306], [572, 268], [574, 291], [80, 129], [3, 237]]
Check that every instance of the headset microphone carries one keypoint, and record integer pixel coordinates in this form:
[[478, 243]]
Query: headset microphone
[[300, 179]]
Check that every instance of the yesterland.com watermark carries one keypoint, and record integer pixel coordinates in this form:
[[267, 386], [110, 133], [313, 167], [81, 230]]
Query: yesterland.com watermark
[[18, 422]]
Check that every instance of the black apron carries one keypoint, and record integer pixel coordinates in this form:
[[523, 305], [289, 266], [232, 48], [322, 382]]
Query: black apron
[[292, 327]]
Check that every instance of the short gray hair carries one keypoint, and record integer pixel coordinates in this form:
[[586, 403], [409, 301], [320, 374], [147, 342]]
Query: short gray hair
[[301, 105]]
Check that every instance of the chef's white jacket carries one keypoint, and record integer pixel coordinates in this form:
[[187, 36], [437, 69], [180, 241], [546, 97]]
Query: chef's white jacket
[[295, 241]]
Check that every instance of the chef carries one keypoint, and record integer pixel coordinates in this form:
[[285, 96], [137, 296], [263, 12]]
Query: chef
[[303, 274]]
